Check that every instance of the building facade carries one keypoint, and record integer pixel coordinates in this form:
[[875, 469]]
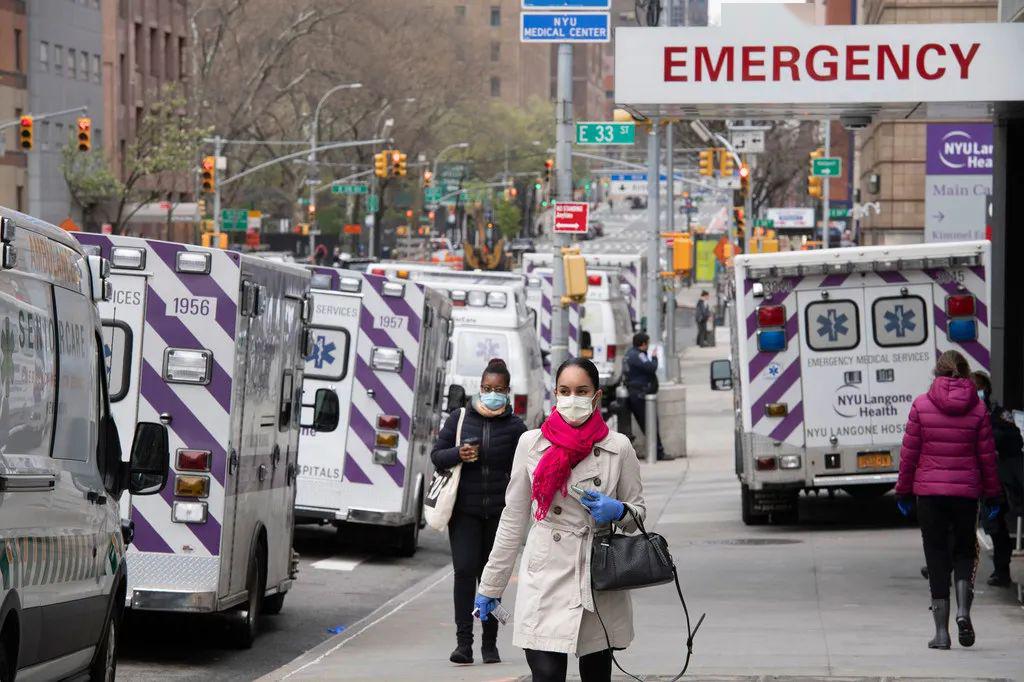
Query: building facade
[[13, 102], [65, 46]]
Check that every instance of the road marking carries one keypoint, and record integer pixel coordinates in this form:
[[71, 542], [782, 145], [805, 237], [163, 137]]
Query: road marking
[[338, 564]]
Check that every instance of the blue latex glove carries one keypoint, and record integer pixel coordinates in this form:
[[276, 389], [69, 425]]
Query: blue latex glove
[[485, 604], [905, 505], [604, 509], [992, 511]]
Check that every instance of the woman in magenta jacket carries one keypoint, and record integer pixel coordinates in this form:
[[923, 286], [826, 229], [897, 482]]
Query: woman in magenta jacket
[[948, 461]]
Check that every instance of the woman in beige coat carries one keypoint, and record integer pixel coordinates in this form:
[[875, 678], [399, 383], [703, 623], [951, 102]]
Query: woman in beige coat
[[556, 610]]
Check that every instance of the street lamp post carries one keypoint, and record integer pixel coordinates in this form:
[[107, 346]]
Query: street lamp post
[[314, 174], [437, 160]]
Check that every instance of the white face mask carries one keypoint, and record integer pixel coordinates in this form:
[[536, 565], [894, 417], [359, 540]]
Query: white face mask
[[575, 409]]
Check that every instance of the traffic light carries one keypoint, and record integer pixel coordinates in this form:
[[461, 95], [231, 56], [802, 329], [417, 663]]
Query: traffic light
[[399, 165], [706, 162], [745, 179], [538, 185], [208, 173], [548, 165], [576, 281], [814, 183], [380, 164], [428, 178], [682, 253], [25, 132], [726, 165], [84, 134], [739, 219]]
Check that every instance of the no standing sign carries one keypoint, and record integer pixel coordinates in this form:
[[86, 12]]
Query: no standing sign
[[571, 217]]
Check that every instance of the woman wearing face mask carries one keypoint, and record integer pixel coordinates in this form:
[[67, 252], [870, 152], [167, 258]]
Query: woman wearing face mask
[[556, 610], [489, 435]]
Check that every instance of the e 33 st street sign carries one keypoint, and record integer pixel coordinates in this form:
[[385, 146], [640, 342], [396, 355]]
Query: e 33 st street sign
[[605, 133]]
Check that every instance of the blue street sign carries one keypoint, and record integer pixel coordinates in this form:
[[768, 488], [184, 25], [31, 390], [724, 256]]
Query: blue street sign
[[576, 5], [565, 27]]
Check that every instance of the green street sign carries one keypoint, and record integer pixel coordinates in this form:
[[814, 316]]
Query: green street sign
[[373, 203], [605, 133], [432, 195], [827, 167], [839, 212], [351, 188], [234, 219], [765, 223]]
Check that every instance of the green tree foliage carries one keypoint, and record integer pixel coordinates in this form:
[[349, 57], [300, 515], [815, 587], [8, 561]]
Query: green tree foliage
[[508, 219]]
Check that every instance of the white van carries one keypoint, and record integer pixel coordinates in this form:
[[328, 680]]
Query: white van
[[632, 269], [606, 322], [211, 343], [63, 575], [540, 302], [381, 346]]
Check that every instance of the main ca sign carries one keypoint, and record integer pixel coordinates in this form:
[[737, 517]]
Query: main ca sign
[[772, 57]]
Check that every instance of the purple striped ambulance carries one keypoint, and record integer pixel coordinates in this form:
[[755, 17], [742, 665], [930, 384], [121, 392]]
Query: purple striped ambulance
[[829, 350]]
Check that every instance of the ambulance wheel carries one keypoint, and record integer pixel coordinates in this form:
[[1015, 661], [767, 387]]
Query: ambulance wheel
[[247, 616], [273, 604], [104, 662], [5, 667], [747, 506]]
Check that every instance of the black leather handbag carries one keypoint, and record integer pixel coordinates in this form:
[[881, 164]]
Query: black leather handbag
[[628, 562]]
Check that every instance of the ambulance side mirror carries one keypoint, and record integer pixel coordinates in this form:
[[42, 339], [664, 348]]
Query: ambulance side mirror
[[150, 458], [456, 397], [326, 411], [721, 375]]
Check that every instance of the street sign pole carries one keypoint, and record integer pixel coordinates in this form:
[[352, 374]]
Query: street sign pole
[[827, 183], [653, 233], [218, 147], [563, 183]]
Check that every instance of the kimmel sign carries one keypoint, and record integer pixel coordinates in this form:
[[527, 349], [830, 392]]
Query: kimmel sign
[[775, 54]]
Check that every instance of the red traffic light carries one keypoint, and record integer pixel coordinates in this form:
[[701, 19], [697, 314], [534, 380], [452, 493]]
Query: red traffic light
[[26, 121], [744, 171], [549, 164], [208, 163]]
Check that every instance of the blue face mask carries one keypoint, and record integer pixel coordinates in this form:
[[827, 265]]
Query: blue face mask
[[494, 400]]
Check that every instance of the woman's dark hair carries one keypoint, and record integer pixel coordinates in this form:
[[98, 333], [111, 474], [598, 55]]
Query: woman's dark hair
[[497, 366], [952, 364], [586, 365], [982, 382]]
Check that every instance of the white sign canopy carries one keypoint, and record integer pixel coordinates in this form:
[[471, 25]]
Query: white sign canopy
[[772, 59]]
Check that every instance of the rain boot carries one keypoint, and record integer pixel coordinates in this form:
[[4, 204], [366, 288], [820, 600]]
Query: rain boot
[[940, 613], [463, 652], [964, 599], [489, 648]]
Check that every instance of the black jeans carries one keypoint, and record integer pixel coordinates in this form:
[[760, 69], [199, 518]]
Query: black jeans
[[638, 406], [948, 526], [1002, 543], [548, 666], [471, 538]]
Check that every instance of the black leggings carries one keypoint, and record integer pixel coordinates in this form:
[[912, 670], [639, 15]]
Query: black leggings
[[948, 526], [548, 666], [472, 538]]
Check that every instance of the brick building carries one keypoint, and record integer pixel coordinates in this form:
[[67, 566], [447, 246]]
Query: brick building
[[13, 102]]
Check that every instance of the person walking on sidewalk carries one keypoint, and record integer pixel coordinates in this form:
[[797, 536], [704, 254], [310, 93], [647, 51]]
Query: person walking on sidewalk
[[948, 461], [556, 610], [1010, 464], [641, 370], [703, 315], [490, 432]]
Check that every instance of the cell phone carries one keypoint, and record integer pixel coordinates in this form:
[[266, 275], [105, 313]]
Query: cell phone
[[499, 612], [578, 490], [471, 441]]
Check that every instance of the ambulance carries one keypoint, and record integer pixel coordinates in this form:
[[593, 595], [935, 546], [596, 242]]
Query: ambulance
[[631, 268], [380, 346], [829, 350], [540, 298], [212, 344], [63, 574]]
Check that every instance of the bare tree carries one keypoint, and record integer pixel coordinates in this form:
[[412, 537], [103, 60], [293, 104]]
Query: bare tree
[[780, 178]]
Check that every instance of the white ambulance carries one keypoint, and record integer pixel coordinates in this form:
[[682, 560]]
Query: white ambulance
[[62, 545], [829, 350], [210, 343], [631, 267], [381, 347], [540, 299]]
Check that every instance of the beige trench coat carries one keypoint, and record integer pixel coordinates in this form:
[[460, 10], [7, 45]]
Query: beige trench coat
[[554, 604]]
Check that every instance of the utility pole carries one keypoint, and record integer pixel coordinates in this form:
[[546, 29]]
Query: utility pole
[[218, 146], [654, 233], [748, 202], [824, 201], [563, 184]]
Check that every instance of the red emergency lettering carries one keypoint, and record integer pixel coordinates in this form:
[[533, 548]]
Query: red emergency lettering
[[789, 61], [922, 64], [901, 68], [853, 62], [964, 60], [749, 62], [831, 66], [703, 59], [671, 61]]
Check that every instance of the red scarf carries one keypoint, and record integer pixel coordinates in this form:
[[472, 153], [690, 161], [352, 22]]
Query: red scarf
[[570, 445]]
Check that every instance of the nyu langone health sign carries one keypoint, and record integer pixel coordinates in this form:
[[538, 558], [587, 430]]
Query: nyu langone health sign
[[773, 53], [565, 27], [959, 149]]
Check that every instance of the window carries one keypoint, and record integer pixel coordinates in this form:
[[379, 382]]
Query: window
[[495, 15], [117, 355], [78, 367], [495, 86], [474, 350], [44, 135], [17, 50], [460, 14], [832, 325], [58, 134], [329, 359], [900, 321], [83, 65], [169, 57], [44, 55], [460, 52], [122, 72], [495, 50], [138, 47], [154, 53], [284, 410], [72, 63], [19, 198], [58, 59], [181, 58], [95, 68]]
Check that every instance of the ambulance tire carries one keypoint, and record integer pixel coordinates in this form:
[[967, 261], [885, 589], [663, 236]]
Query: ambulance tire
[[104, 663], [747, 505], [273, 604], [246, 617], [408, 537], [6, 674]]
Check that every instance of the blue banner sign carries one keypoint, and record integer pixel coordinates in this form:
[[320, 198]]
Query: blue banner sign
[[565, 27], [576, 5]]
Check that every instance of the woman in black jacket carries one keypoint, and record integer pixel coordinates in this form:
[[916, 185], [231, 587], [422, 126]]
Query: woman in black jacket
[[490, 433]]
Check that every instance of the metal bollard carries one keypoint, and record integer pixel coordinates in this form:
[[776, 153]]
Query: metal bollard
[[651, 426], [624, 417]]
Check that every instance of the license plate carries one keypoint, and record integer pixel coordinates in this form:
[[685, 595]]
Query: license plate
[[874, 460]]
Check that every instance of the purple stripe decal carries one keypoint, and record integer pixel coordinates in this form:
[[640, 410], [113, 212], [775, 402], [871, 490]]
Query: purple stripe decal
[[93, 239], [776, 391], [382, 396], [330, 272], [208, 534], [833, 280], [399, 306], [199, 285], [751, 323], [545, 304], [545, 333], [789, 424], [748, 284], [762, 360], [979, 270], [972, 348], [397, 470], [353, 473], [174, 333], [146, 537], [891, 277], [953, 289], [380, 338], [184, 423]]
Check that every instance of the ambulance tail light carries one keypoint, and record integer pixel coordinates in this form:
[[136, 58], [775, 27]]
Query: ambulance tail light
[[771, 340], [189, 512], [611, 351], [193, 460], [960, 305], [771, 316], [377, 271], [594, 280], [402, 274], [520, 403], [458, 298], [128, 258], [192, 486], [767, 463], [386, 359], [789, 462], [477, 299], [386, 439], [385, 456], [193, 262], [388, 421], [350, 284], [776, 409], [962, 330]]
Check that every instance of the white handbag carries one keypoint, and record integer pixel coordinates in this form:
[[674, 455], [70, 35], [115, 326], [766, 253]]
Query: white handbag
[[439, 501]]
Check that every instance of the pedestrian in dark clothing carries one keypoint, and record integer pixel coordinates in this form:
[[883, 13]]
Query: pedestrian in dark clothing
[[703, 315], [641, 370], [948, 461], [490, 434], [1010, 452]]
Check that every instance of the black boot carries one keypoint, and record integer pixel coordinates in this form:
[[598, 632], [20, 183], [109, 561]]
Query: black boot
[[489, 648], [940, 613], [464, 637], [964, 599]]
